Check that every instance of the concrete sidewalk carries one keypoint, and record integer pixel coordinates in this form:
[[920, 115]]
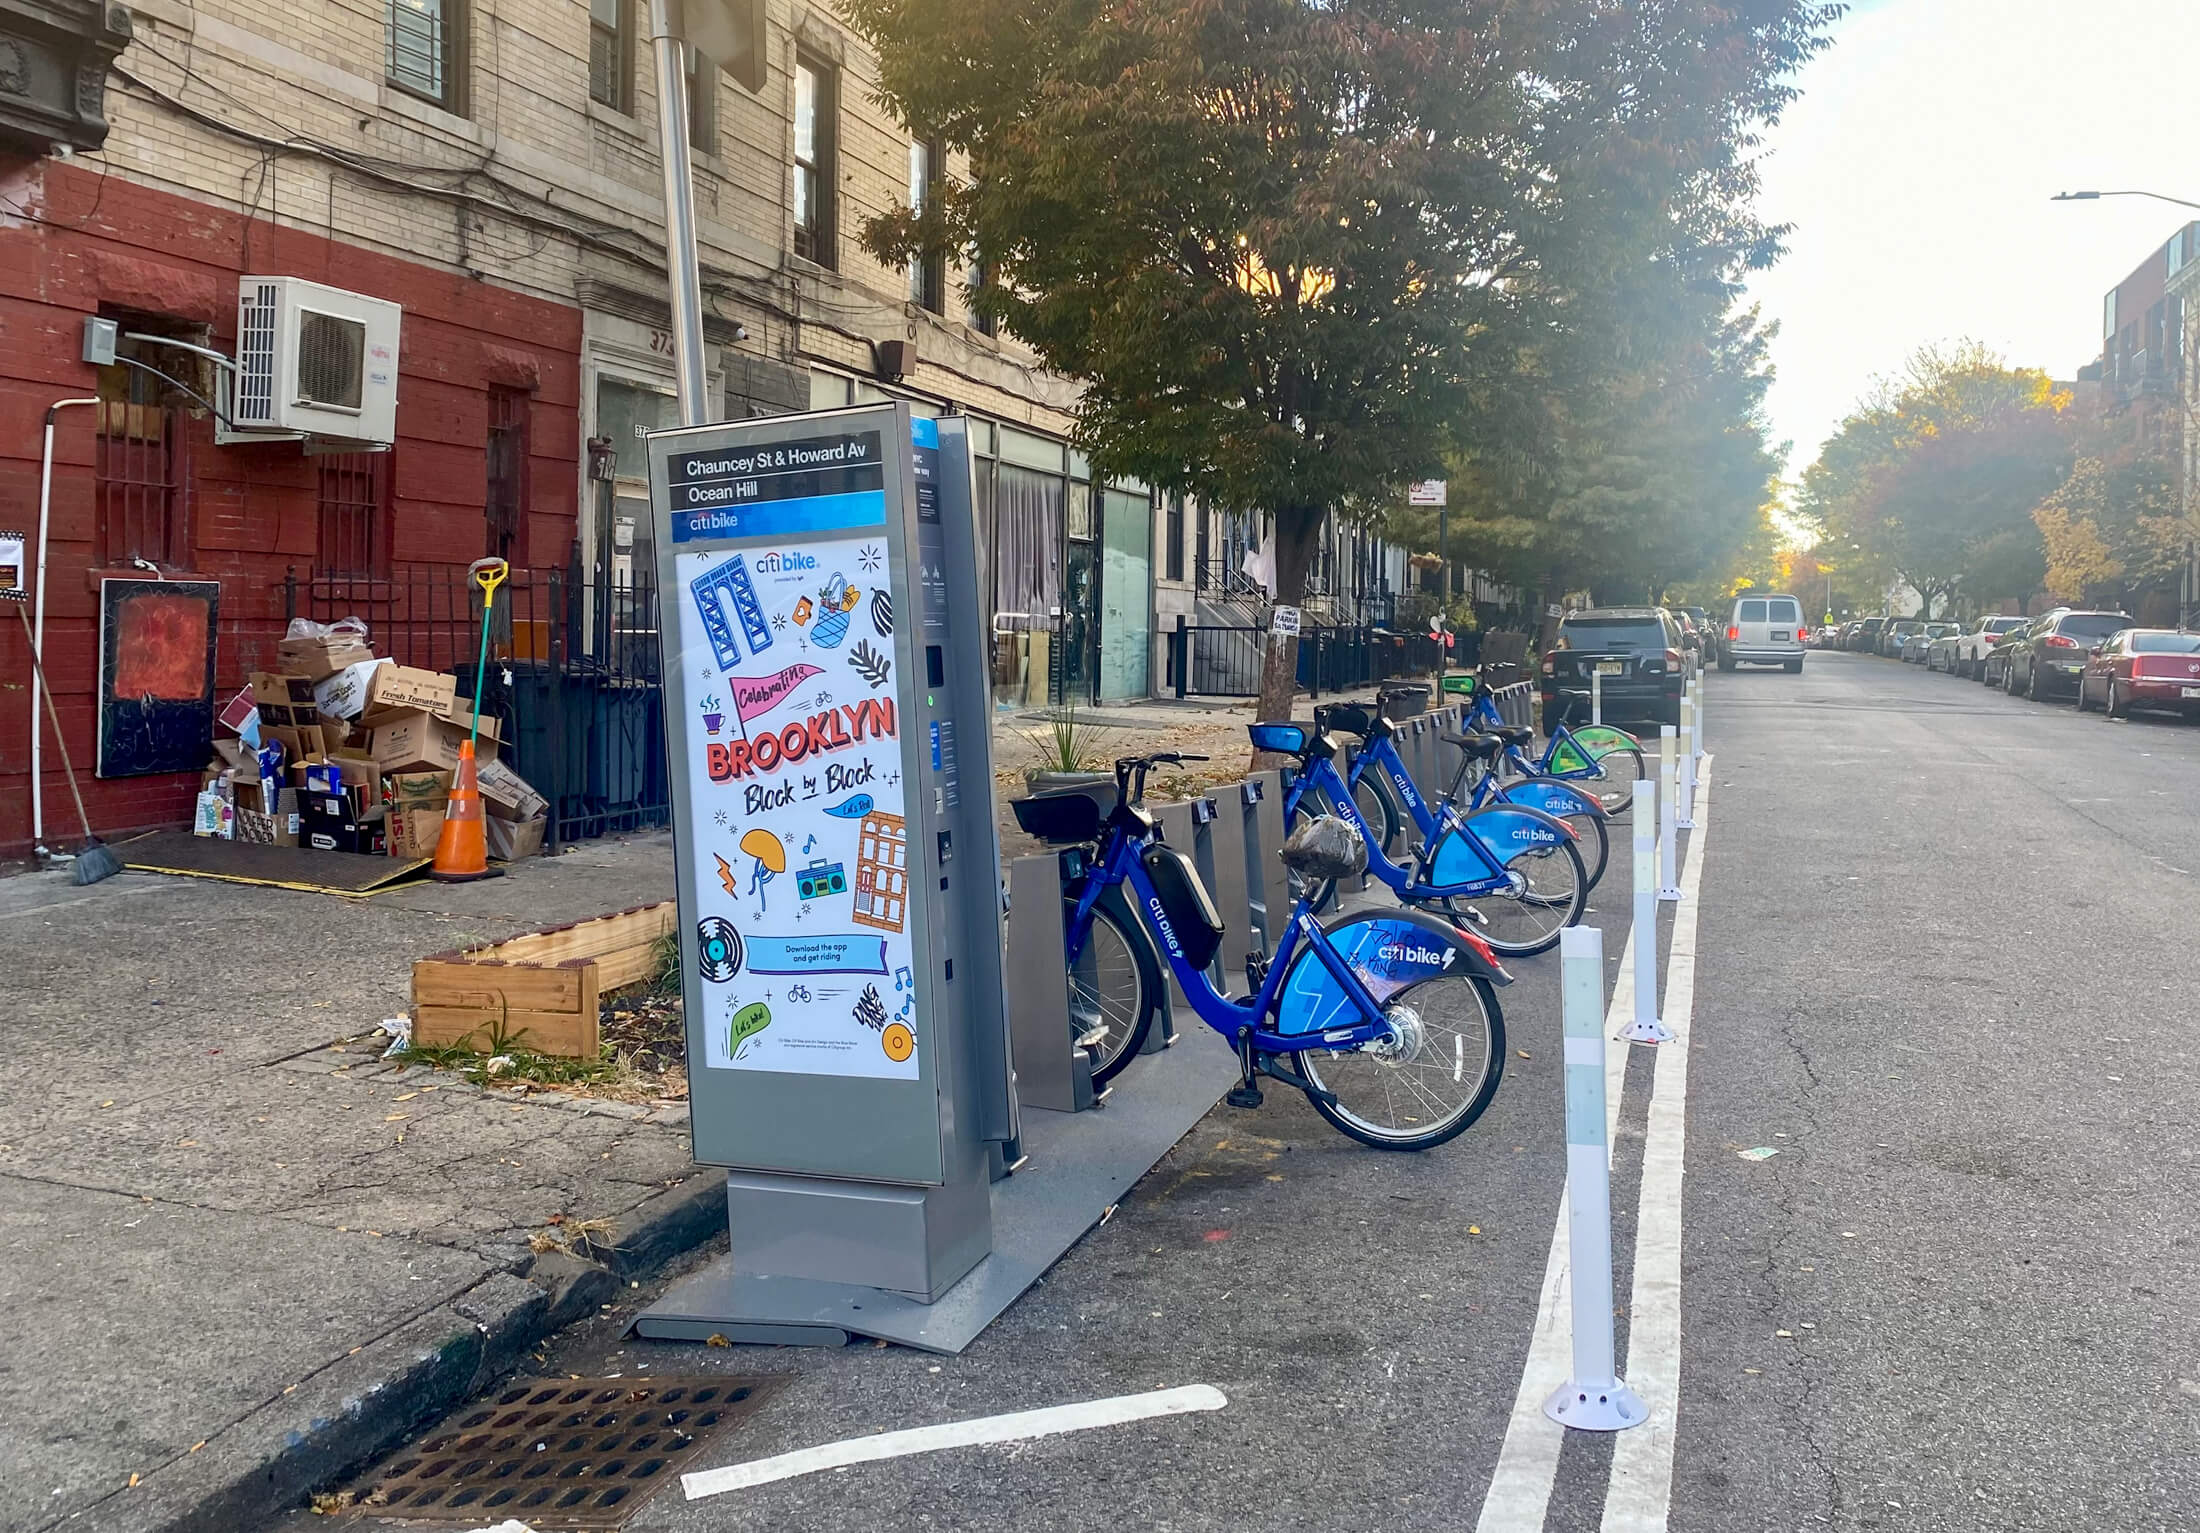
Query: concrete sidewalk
[[235, 1259]]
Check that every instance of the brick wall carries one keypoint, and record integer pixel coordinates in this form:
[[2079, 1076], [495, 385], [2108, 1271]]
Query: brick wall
[[251, 511]]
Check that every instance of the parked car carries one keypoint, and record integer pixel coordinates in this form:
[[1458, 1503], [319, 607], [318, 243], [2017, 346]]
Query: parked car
[[1917, 649], [1693, 639], [1832, 636], [1972, 647], [1637, 650], [2143, 668], [1865, 637], [1764, 630], [1705, 629], [1940, 644], [2047, 658], [1893, 633]]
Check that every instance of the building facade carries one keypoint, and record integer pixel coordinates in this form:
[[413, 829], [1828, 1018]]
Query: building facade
[[493, 170]]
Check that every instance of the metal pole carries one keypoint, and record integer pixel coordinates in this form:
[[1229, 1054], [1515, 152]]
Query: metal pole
[[1595, 1398], [1669, 884], [681, 269], [1646, 1028], [38, 627]]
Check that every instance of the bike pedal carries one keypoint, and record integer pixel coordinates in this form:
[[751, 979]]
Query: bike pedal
[[1094, 1038], [1246, 1095]]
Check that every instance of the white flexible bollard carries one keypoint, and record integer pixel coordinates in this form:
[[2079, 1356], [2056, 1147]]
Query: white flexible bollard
[[1646, 1028], [1594, 1398], [1685, 816], [1669, 836], [1596, 697], [1699, 723]]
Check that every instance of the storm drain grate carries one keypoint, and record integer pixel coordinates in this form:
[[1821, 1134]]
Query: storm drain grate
[[559, 1453]]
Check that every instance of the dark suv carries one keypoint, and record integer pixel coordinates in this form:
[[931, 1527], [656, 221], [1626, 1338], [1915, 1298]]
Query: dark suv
[[1638, 652], [2044, 659], [1865, 636]]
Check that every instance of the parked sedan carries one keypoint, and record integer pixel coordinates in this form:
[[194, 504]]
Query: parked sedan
[[1941, 648], [1894, 634], [1974, 646], [2143, 668], [1865, 636], [1918, 641], [2048, 657]]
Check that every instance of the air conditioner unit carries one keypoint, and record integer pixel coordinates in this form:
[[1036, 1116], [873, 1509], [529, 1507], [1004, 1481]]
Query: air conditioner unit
[[314, 360]]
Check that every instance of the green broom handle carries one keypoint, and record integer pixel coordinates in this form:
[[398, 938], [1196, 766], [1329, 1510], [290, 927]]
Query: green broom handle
[[488, 574]]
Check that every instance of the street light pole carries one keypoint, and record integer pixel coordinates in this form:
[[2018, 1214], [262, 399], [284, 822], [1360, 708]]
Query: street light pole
[[2097, 196], [681, 269]]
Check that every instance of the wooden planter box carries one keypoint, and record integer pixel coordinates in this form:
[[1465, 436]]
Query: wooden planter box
[[540, 990]]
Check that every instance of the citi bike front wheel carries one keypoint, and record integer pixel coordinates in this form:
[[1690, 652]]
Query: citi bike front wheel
[[1428, 1083], [1114, 984]]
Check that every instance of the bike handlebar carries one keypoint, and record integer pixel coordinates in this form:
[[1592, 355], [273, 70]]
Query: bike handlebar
[[1130, 772]]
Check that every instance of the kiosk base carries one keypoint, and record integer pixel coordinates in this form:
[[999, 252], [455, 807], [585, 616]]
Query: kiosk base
[[1079, 1163]]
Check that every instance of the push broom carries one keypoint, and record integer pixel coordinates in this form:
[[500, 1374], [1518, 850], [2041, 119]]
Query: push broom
[[462, 850], [96, 861]]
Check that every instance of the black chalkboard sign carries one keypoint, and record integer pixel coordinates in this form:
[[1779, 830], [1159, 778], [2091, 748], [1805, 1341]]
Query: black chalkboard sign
[[156, 675]]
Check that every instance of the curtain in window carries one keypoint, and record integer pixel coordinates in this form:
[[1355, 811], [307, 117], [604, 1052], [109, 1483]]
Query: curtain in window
[[1027, 542]]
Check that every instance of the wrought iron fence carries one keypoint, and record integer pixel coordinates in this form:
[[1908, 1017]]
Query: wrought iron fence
[[572, 681], [1217, 661]]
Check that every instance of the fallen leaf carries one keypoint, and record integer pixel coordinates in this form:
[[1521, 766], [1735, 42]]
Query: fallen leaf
[[1789, 1334], [1753, 1370], [108, 1103], [406, 1096], [713, 1340], [395, 1117], [187, 1144], [1523, 1053], [133, 1480], [1762, 1152], [197, 1445], [1474, 1229]]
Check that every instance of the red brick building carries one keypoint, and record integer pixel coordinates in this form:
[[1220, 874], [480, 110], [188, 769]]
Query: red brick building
[[486, 457]]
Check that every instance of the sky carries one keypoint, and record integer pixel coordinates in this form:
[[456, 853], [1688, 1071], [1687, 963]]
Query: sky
[[1916, 170]]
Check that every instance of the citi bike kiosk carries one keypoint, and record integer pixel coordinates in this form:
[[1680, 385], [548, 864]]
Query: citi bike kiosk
[[824, 632]]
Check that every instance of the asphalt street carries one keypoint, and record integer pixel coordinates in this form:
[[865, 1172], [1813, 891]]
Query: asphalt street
[[1939, 969]]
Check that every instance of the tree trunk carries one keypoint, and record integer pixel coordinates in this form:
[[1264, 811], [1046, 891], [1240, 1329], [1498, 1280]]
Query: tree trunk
[[1295, 530]]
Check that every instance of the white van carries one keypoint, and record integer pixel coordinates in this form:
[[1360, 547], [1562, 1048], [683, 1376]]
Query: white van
[[1764, 630]]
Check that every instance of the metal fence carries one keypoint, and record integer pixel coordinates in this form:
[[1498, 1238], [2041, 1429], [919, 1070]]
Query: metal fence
[[572, 681], [1217, 661]]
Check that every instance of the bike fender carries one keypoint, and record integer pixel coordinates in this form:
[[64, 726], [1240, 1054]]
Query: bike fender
[[1508, 832], [1556, 799], [1387, 952]]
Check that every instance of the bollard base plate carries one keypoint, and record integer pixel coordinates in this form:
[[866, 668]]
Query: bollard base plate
[[1649, 1030], [1669, 893], [1601, 1406]]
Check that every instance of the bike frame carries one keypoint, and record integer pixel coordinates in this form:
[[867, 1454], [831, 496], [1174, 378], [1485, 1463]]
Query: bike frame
[[1383, 756], [1321, 776], [1118, 863], [1483, 711]]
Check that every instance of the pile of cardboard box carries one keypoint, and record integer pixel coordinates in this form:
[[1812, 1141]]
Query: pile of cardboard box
[[341, 751]]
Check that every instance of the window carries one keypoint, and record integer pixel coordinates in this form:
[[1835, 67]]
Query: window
[[353, 497], [927, 273], [984, 324], [702, 103], [1784, 611], [1174, 561], [611, 53], [142, 462], [424, 49], [505, 506], [1751, 612], [816, 178]]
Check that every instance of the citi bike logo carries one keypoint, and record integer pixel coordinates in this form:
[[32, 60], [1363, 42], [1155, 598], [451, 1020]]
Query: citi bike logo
[[1528, 835], [1161, 923], [778, 564], [1414, 952]]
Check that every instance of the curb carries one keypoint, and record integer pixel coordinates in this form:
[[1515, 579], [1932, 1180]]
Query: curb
[[346, 1414]]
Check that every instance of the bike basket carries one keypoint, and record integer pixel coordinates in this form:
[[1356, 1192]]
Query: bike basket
[[1278, 737], [1324, 849], [1349, 717], [1059, 819]]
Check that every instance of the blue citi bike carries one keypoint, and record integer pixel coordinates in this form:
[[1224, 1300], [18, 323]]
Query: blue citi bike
[[1609, 760], [1393, 807], [1387, 1020], [1511, 871]]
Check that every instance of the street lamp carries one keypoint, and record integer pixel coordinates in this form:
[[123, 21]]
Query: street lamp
[[2097, 196]]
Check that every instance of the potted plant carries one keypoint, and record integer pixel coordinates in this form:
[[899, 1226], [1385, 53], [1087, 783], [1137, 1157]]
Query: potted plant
[[1067, 743]]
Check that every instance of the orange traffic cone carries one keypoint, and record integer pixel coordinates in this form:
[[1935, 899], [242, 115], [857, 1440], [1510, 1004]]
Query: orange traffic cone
[[462, 850]]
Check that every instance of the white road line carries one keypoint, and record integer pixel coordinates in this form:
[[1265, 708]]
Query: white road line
[[1520, 1490], [1015, 1427], [1641, 1491]]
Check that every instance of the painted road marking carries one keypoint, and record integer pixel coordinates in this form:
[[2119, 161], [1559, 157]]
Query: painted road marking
[[1015, 1427], [1641, 1491], [1519, 1496]]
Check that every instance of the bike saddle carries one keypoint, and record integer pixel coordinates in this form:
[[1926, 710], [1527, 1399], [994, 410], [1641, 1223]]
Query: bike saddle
[[1479, 747], [1514, 734]]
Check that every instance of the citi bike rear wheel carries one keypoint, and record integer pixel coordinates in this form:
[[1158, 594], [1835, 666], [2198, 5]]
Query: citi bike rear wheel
[[1618, 771], [1429, 1083], [1114, 985], [1550, 891]]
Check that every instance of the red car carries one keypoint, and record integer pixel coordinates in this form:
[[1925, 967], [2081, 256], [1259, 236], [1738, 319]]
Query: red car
[[2143, 668]]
